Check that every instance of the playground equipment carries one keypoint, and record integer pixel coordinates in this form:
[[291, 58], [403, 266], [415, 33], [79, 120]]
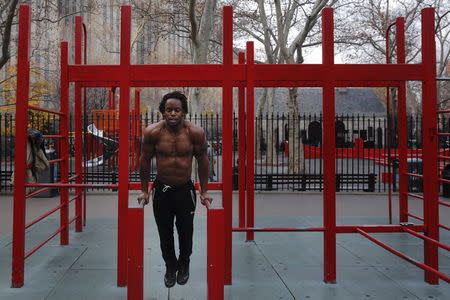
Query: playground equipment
[[246, 76]]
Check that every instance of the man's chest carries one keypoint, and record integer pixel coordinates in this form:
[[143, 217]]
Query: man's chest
[[174, 145]]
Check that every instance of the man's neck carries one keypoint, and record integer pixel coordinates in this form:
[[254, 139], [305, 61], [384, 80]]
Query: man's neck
[[174, 129]]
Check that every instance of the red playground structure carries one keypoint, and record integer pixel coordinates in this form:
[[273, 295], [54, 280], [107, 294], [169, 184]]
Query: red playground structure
[[246, 76]]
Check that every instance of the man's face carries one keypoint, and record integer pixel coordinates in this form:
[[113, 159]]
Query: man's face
[[173, 112]]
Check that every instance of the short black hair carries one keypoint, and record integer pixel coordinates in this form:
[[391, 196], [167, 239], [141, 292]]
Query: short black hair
[[174, 95]]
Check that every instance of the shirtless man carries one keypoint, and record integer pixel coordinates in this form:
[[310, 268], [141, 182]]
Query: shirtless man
[[174, 141]]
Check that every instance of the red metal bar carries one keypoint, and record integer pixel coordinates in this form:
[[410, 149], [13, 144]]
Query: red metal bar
[[45, 110], [445, 111], [443, 203], [250, 141], [329, 151], [415, 196], [36, 192], [444, 157], [275, 229], [443, 134], [72, 185], [414, 175], [135, 278], [227, 134], [78, 126], [215, 253], [376, 228], [405, 257], [388, 112], [72, 220], [443, 226], [29, 253], [64, 144], [242, 148], [52, 161], [423, 237], [415, 217], [124, 145], [43, 216], [402, 125], [443, 180], [23, 79], [430, 147]]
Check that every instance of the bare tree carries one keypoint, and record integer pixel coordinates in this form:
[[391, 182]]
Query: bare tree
[[8, 11]]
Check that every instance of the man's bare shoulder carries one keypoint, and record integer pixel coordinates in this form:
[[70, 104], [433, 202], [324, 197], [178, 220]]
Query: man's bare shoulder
[[153, 130], [196, 132]]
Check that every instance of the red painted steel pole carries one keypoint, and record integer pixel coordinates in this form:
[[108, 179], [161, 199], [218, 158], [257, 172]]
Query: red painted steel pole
[[227, 136], [19, 209], [135, 290], [64, 143], [124, 145], [242, 148], [250, 236], [78, 129], [402, 126], [84, 116], [215, 254], [429, 156], [329, 151]]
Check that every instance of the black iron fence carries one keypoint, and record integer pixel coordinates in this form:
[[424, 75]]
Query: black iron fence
[[288, 148]]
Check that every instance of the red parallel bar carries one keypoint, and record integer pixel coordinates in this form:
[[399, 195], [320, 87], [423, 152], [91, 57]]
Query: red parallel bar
[[72, 185], [43, 216], [415, 196], [64, 144], [444, 157], [22, 89], [250, 159], [215, 253], [414, 175], [444, 180], [430, 147], [443, 203], [227, 135], [443, 134], [405, 257], [55, 160], [135, 290], [329, 151], [78, 126], [402, 124], [242, 148], [415, 217], [423, 237], [45, 110], [275, 229], [446, 111], [443, 226], [72, 220], [36, 192], [29, 253], [124, 145], [376, 228]]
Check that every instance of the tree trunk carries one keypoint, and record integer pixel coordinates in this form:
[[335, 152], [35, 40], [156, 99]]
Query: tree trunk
[[296, 149], [271, 143]]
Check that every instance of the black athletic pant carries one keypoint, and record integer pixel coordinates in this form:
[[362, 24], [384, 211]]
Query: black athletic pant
[[169, 203]]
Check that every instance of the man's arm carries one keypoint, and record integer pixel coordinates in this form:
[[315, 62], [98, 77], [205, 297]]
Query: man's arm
[[147, 152], [201, 154]]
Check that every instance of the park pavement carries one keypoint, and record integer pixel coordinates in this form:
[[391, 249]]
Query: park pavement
[[276, 265]]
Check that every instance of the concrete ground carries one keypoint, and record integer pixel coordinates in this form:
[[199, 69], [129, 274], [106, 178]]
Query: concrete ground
[[274, 266]]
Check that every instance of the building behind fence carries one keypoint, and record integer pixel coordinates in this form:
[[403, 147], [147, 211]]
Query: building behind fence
[[288, 149]]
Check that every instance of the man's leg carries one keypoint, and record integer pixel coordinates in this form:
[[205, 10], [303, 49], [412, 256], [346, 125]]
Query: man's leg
[[185, 210], [164, 217]]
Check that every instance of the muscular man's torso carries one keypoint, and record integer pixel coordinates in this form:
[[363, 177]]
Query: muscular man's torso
[[174, 152]]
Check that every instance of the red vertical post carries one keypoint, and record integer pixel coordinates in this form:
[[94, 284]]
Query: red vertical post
[[20, 166], [329, 151], [84, 116], [215, 254], [429, 153], [402, 125], [227, 136], [242, 148], [250, 235], [78, 129], [124, 144], [135, 289], [64, 143]]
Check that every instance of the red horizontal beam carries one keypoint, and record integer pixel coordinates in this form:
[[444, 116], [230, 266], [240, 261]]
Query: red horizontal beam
[[275, 229], [43, 216], [276, 74], [72, 185], [45, 110], [376, 228], [211, 186], [405, 257], [43, 243], [444, 227], [443, 203], [424, 237], [36, 192], [415, 217], [415, 195], [413, 175]]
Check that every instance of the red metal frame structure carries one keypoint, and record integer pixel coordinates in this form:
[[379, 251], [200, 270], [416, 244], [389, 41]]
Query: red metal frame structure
[[228, 75]]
